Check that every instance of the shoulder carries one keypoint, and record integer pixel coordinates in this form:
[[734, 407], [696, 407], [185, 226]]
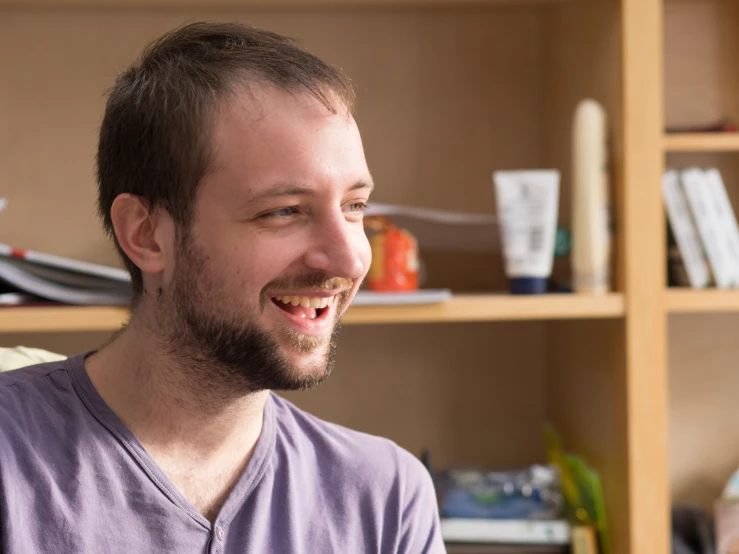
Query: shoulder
[[29, 395], [359, 456], [32, 379], [389, 488]]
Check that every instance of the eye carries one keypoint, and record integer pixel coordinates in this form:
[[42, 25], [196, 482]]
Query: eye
[[281, 212], [356, 207]]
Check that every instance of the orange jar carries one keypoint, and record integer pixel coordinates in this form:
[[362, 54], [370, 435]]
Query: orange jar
[[394, 265]]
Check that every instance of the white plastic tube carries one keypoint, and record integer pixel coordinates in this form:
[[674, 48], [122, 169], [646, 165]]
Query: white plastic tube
[[527, 210], [591, 239]]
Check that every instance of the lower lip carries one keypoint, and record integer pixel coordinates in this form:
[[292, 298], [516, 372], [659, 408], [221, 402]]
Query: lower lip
[[317, 326]]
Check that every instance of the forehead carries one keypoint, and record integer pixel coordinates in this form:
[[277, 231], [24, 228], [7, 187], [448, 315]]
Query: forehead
[[267, 136]]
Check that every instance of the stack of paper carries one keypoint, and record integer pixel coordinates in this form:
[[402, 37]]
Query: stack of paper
[[27, 276]]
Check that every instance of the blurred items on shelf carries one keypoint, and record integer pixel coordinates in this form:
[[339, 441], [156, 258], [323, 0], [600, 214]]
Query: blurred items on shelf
[[557, 507], [591, 200], [529, 493], [703, 235], [692, 531], [32, 277], [441, 230], [726, 515], [457, 548], [399, 234], [527, 203], [394, 266], [506, 511], [582, 491], [22, 356], [723, 126], [28, 277], [424, 296], [447, 231]]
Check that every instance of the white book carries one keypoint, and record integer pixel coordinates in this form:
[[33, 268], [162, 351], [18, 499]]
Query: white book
[[727, 218], [685, 232], [506, 531], [709, 227]]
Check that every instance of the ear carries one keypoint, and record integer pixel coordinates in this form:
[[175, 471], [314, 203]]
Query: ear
[[136, 228]]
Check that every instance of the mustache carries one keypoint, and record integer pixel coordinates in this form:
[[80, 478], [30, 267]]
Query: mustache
[[315, 280], [308, 281]]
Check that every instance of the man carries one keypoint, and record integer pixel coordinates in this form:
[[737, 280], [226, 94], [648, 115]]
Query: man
[[232, 178]]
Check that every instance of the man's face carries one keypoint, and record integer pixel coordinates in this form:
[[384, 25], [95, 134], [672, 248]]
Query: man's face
[[276, 250]]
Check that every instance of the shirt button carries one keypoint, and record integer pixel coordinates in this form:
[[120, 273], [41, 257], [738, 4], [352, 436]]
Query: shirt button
[[219, 533]]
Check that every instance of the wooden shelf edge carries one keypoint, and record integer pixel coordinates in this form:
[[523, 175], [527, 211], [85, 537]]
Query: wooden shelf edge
[[494, 307], [694, 301], [62, 319], [246, 4], [701, 142], [477, 307]]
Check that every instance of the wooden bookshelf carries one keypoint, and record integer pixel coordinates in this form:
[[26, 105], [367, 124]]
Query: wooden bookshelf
[[687, 301], [482, 307], [435, 121], [701, 142]]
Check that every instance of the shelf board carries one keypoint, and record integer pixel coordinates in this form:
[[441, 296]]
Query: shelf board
[[61, 318], [692, 301], [299, 4], [494, 307], [701, 142], [479, 307]]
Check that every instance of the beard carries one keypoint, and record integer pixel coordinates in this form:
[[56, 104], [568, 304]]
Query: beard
[[229, 350]]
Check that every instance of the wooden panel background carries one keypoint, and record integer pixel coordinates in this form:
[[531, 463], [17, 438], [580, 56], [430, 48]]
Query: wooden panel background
[[586, 402], [704, 421], [701, 59]]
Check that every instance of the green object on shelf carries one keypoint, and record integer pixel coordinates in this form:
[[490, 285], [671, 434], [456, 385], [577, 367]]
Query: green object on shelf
[[581, 488], [562, 242]]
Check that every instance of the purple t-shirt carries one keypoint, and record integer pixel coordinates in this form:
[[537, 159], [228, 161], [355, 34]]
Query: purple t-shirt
[[74, 479]]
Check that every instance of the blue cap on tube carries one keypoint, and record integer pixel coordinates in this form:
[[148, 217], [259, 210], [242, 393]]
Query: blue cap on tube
[[529, 285]]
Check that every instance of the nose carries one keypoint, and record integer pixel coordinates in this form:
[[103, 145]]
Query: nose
[[339, 248]]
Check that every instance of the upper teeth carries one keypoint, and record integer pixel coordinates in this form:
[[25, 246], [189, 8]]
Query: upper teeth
[[306, 301]]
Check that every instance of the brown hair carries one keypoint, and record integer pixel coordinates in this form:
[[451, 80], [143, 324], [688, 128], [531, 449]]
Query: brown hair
[[155, 135]]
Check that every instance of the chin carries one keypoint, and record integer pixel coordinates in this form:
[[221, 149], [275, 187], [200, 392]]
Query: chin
[[304, 379]]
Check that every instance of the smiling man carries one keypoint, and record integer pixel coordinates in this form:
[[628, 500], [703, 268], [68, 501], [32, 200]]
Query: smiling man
[[232, 179]]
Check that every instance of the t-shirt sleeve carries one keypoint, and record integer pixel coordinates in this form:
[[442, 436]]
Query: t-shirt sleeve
[[420, 527]]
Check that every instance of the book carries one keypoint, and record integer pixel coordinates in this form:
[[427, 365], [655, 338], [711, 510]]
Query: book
[[456, 548], [59, 262], [684, 231], [27, 276], [725, 215], [506, 531], [422, 296], [710, 230]]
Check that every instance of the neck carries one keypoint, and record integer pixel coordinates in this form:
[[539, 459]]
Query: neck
[[169, 403]]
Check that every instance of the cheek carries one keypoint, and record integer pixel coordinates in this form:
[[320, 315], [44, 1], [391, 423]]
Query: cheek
[[259, 264]]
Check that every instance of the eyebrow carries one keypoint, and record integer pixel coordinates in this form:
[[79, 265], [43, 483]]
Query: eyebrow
[[294, 189]]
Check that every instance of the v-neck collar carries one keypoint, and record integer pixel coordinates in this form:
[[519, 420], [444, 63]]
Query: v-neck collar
[[253, 473]]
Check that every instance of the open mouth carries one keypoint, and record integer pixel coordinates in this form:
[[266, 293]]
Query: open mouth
[[304, 307]]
